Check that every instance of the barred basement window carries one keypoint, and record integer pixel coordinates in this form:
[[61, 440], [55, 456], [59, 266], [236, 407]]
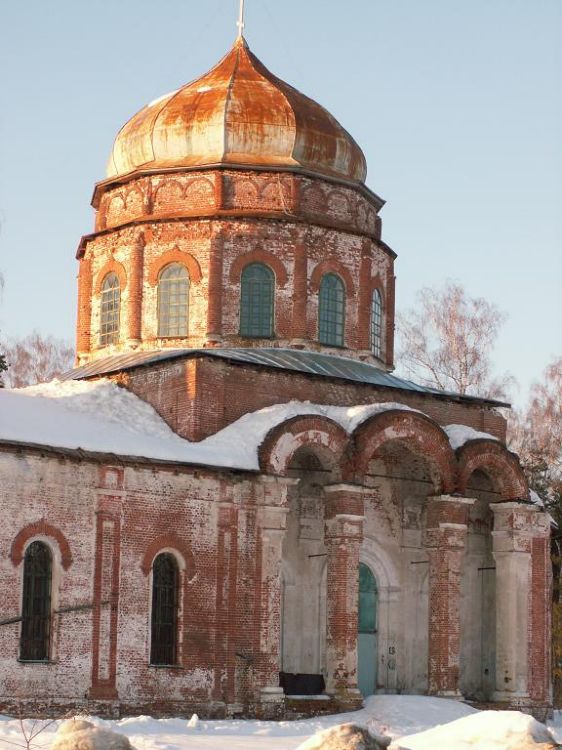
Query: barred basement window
[[164, 623], [173, 300], [256, 301], [331, 311], [36, 603], [110, 303], [376, 323]]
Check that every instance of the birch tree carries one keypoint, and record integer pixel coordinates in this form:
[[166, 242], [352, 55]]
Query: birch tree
[[447, 340]]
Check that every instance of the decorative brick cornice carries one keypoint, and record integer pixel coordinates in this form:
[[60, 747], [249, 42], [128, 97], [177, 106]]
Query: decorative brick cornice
[[40, 529]]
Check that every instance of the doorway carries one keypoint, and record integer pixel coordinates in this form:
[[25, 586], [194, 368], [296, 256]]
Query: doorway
[[367, 637]]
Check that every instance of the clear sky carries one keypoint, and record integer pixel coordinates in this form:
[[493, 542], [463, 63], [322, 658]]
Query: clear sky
[[456, 103]]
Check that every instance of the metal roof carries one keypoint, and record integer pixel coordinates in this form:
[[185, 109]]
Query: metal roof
[[294, 360]]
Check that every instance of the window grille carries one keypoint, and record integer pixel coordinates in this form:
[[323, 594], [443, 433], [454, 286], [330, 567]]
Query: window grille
[[164, 622], [173, 301], [110, 303], [331, 311], [376, 323], [36, 603], [256, 301]]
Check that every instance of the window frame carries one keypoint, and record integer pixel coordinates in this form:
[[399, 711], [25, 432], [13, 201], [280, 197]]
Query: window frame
[[247, 326], [376, 323], [159, 305], [31, 614], [155, 660], [328, 333], [110, 310]]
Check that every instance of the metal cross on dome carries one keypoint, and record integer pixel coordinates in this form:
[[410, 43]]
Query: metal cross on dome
[[240, 22]]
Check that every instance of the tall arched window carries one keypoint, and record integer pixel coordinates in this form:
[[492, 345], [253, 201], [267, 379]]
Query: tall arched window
[[110, 302], [173, 300], [36, 603], [256, 301], [331, 311], [376, 323], [164, 621]]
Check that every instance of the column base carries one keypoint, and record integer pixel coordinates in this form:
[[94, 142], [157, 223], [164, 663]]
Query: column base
[[272, 695], [504, 696], [453, 694], [348, 699]]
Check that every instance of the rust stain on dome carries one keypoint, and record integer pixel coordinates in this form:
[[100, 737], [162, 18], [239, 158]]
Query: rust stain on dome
[[239, 114]]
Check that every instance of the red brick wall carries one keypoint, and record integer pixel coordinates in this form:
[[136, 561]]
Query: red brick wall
[[234, 390], [301, 227]]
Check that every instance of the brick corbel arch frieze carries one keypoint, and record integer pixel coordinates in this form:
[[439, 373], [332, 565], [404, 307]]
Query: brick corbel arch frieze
[[314, 431], [258, 256], [40, 529], [331, 265], [416, 431], [112, 266], [174, 256], [168, 542], [494, 459]]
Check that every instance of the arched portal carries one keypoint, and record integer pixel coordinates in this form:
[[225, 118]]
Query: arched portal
[[367, 652], [303, 627]]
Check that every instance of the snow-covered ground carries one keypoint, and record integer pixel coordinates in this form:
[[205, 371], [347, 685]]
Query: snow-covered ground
[[406, 719]]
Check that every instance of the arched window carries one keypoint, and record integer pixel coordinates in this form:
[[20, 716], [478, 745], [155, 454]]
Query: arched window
[[256, 301], [376, 323], [110, 301], [36, 603], [164, 621], [173, 300], [331, 311]]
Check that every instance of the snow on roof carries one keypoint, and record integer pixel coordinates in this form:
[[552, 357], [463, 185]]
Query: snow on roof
[[100, 417], [459, 434]]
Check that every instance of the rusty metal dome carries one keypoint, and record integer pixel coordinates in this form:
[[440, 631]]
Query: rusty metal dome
[[236, 114]]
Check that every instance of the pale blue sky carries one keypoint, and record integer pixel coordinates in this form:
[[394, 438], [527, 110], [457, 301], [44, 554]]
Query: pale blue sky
[[457, 105]]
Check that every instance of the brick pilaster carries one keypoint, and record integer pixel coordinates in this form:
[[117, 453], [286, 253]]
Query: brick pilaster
[[106, 588], [135, 290], [214, 309], [520, 631], [389, 314], [445, 539], [271, 529], [300, 293], [343, 538], [84, 317]]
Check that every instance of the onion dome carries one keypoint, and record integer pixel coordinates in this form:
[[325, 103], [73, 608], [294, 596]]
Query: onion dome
[[236, 114]]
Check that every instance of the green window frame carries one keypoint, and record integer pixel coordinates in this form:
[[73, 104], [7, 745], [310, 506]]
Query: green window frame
[[110, 310], [376, 323], [173, 301], [257, 287], [367, 622], [331, 311]]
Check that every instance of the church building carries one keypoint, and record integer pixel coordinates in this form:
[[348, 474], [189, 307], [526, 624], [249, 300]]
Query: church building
[[231, 505]]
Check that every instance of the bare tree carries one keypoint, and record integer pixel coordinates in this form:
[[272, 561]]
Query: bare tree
[[446, 341], [535, 433], [36, 359]]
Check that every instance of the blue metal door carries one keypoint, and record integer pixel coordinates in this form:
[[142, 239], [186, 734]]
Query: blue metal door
[[367, 637]]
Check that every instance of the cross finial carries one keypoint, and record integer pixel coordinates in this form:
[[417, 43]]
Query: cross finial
[[240, 22]]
